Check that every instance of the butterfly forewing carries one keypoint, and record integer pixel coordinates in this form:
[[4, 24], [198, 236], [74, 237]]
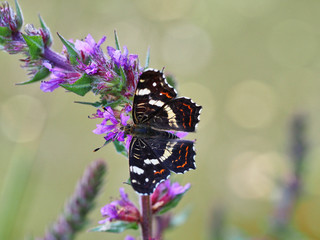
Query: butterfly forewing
[[146, 171], [180, 114], [151, 94]]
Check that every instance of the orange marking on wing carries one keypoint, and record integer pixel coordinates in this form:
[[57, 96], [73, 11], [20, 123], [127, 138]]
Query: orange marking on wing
[[159, 172], [167, 94], [182, 165], [187, 152], [183, 123], [190, 119], [178, 158], [187, 106], [185, 163]]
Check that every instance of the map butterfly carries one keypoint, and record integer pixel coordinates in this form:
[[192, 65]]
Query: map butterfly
[[155, 151]]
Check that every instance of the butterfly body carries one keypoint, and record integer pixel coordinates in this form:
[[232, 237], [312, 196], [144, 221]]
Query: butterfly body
[[154, 151], [146, 131]]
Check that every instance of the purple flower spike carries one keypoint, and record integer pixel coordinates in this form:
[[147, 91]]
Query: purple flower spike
[[122, 209]]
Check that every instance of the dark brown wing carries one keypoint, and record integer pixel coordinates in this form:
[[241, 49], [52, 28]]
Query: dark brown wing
[[151, 94], [180, 114], [146, 170]]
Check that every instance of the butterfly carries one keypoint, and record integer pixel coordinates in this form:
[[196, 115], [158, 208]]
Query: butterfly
[[155, 151]]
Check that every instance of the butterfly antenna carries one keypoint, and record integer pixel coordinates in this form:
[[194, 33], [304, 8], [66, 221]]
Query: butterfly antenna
[[97, 149]]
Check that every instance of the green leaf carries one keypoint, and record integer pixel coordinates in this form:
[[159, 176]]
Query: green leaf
[[116, 40], [5, 32], [42, 73], [72, 51], [171, 80], [128, 182], [81, 87], [35, 44], [2, 43], [94, 104], [123, 78], [112, 104], [115, 227], [173, 203], [47, 30], [147, 59], [19, 15], [120, 148]]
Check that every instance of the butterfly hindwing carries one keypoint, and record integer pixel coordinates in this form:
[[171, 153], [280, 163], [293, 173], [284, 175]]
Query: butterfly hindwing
[[177, 155], [146, 171], [151, 94], [180, 114]]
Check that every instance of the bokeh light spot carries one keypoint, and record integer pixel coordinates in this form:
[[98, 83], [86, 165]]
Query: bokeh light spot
[[251, 104], [253, 175]]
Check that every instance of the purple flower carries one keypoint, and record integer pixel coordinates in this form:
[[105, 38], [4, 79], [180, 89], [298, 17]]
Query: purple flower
[[122, 209], [112, 123], [120, 59], [88, 47], [49, 86], [179, 134], [58, 76], [91, 69], [8, 18], [165, 193], [15, 47], [85, 46], [129, 238]]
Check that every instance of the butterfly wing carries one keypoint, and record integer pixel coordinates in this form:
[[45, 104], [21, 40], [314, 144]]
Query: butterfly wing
[[180, 114], [151, 94], [177, 155], [146, 171]]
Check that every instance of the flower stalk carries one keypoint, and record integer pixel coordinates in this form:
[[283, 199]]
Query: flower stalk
[[146, 217]]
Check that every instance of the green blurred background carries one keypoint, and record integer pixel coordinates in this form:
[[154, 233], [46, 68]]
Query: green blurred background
[[251, 64]]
